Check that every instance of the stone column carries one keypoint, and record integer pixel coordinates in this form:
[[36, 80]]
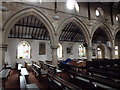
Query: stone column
[[89, 50], [54, 55], [89, 53], [3, 48], [113, 50]]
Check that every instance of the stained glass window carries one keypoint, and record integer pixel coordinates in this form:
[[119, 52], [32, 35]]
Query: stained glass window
[[23, 50], [82, 51], [59, 51]]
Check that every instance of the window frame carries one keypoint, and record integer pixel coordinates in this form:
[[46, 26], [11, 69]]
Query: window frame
[[23, 56]]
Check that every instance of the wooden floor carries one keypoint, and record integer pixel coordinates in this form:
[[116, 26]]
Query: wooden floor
[[13, 81]]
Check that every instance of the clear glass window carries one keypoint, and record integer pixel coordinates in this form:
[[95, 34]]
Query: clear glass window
[[116, 51], [71, 4], [59, 51], [99, 53]]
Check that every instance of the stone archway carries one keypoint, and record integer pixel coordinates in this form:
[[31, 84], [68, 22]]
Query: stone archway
[[26, 12], [117, 41], [106, 29], [102, 48], [109, 37], [79, 23], [83, 29], [117, 30]]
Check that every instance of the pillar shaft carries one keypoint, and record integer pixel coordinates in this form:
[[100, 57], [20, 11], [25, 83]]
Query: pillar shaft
[[113, 50], [2, 54], [89, 53], [54, 55]]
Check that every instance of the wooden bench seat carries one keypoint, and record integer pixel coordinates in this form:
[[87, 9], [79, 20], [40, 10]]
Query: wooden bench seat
[[101, 86], [108, 74], [25, 86], [82, 82], [4, 75], [97, 79], [52, 69], [62, 83], [8, 66]]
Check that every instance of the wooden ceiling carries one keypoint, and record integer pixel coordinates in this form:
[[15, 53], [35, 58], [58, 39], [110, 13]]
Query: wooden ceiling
[[100, 35], [72, 32], [32, 28], [29, 28]]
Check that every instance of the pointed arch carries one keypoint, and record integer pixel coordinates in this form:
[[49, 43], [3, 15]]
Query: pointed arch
[[105, 28], [26, 12], [117, 30], [79, 23]]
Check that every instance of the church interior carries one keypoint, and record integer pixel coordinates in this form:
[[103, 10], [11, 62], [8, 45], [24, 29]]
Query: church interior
[[59, 44]]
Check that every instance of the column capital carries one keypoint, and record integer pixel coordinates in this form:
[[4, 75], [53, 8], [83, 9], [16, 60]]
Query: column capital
[[54, 47], [3, 45], [89, 48]]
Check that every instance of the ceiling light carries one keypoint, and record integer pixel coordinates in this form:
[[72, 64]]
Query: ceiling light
[[4, 9], [56, 17]]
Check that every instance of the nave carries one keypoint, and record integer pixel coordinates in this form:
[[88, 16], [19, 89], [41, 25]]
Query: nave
[[74, 75], [49, 45]]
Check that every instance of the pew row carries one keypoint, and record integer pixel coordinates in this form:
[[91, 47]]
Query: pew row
[[105, 82], [25, 86], [62, 84]]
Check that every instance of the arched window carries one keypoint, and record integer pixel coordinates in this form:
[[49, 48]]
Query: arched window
[[99, 12], [117, 17], [99, 53], [82, 51], [23, 50], [116, 51], [71, 4], [59, 51]]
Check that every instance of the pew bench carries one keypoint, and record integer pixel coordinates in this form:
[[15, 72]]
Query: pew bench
[[25, 86], [108, 74], [82, 82], [99, 80], [62, 84], [38, 71], [52, 69], [4, 75]]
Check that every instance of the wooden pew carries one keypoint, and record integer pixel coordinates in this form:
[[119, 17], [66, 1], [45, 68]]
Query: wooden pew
[[104, 73], [62, 84], [106, 82], [4, 75], [24, 85], [52, 69], [38, 71]]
